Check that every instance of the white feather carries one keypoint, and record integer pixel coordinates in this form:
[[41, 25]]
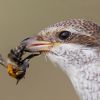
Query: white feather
[[81, 64]]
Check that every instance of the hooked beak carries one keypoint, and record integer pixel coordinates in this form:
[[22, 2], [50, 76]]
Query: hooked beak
[[35, 45]]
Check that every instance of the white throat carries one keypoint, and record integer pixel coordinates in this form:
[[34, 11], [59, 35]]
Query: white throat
[[82, 66]]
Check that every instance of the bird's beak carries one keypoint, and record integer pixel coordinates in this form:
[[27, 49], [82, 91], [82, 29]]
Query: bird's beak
[[35, 45], [39, 46]]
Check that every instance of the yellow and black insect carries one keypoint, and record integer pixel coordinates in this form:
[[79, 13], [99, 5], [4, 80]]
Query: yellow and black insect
[[22, 63], [17, 65]]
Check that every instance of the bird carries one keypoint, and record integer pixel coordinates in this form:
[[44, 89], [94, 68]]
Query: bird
[[74, 46]]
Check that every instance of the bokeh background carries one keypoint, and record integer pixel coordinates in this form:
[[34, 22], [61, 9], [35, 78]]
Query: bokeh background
[[23, 18]]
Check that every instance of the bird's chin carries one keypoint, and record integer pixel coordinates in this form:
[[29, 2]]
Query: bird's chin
[[52, 56]]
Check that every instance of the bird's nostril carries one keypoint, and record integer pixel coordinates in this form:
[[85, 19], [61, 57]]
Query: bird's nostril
[[39, 38]]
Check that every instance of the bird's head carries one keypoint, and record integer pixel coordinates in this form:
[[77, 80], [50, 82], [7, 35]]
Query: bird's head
[[78, 32], [67, 41]]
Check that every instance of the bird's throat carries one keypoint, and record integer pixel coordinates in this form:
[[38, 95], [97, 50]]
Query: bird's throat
[[82, 67]]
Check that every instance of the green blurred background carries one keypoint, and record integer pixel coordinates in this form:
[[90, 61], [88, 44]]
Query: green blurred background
[[22, 18]]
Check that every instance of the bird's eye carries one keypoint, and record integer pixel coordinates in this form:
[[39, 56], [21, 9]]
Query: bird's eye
[[64, 35]]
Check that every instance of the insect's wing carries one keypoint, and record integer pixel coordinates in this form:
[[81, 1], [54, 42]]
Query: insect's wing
[[3, 62]]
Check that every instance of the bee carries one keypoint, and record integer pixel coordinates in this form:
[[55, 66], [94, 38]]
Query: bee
[[15, 71], [18, 69], [16, 65]]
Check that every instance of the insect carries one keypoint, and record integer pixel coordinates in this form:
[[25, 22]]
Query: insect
[[17, 65], [15, 71], [18, 69]]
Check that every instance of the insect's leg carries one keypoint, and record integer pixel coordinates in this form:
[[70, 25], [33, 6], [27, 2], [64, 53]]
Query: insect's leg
[[31, 56]]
